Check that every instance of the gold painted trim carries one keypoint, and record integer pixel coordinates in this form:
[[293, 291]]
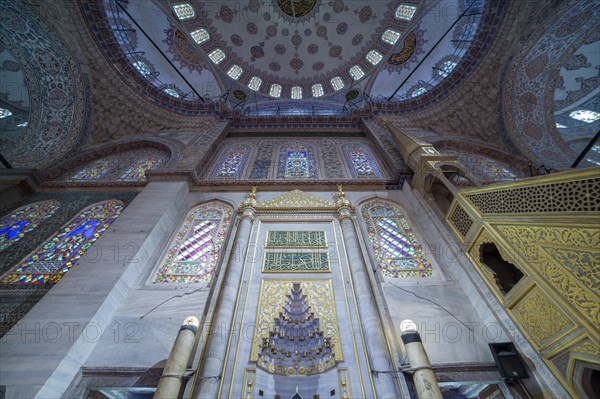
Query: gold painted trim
[[363, 248], [249, 383], [337, 248], [566, 176], [235, 313], [344, 381]]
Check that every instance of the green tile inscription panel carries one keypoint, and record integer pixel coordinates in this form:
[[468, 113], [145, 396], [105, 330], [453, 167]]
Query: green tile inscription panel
[[296, 262], [296, 239]]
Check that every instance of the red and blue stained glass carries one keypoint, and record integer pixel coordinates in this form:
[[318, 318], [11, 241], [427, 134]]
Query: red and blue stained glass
[[396, 249], [137, 171], [297, 161], [360, 161], [20, 222], [492, 169], [56, 257], [95, 170], [194, 254], [231, 164]]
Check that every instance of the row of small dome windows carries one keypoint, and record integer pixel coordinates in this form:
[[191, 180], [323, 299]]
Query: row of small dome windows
[[186, 11], [390, 36]]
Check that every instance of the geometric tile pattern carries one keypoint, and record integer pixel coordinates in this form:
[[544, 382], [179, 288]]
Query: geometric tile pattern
[[461, 220]]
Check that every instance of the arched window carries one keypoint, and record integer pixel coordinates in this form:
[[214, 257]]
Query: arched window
[[194, 252], [54, 258], [396, 249], [96, 170], [137, 171], [297, 161], [231, 163], [360, 161], [493, 170], [482, 167], [20, 222]]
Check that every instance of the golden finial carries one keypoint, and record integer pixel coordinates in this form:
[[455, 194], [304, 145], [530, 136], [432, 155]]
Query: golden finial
[[252, 193], [341, 194]]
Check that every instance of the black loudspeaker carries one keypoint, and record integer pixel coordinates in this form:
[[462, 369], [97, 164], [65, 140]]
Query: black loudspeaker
[[509, 362]]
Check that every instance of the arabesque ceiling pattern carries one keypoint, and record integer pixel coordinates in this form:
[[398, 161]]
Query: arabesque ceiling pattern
[[463, 106]]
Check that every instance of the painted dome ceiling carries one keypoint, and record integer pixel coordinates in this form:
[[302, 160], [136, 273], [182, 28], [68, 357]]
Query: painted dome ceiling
[[299, 55]]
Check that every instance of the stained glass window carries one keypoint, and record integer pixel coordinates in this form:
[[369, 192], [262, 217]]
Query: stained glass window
[[275, 90], [297, 161], [54, 258], [200, 35], [490, 168], [142, 68], [254, 83], [337, 83], [4, 113], [397, 252], [296, 93], [194, 253], [137, 171], [585, 115], [235, 72], [217, 56], [360, 161], [405, 12], [95, 170], [374, 57], [390, 36], [418, 92], [446, 67], [172, 92], [20, 222], [231, 164], [184, 11], [356, 72], [317, 90]]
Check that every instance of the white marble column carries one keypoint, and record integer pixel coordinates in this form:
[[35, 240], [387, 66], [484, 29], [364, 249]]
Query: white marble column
[[384, 375], [213, 359]]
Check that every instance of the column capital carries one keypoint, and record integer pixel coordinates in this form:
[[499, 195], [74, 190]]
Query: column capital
[[345, 212]]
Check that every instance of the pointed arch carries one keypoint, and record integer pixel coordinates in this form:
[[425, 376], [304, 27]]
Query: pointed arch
[[50, 261], [397, 252], [297, 161], [20, 222], [137, 171], [195, 251], [125, 166], [95, 170]]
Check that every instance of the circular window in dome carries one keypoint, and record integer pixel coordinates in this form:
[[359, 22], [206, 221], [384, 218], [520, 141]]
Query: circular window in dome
[[296, 8]]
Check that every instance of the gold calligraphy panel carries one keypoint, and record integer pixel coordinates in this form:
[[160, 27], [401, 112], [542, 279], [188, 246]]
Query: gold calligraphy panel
[[273, 294]]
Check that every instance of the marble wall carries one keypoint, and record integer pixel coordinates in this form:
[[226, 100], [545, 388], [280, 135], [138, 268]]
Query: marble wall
[[106, 320]]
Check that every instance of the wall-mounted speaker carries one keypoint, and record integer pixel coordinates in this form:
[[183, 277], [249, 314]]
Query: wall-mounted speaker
[[509, 362]]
